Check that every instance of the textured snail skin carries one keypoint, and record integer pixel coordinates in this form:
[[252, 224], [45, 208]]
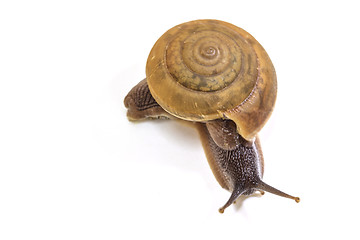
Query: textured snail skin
[[237, 164], [219, 77], [141, 104]]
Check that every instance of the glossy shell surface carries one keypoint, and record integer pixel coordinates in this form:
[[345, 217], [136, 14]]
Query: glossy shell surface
[[208, 69]]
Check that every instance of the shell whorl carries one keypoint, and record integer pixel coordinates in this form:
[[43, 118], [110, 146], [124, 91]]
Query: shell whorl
[[206, 59]]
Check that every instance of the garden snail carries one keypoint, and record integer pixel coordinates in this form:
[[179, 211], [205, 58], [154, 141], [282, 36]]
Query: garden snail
[[218, 76]]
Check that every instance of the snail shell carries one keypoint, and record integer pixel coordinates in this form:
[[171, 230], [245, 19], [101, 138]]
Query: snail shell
[[208, 69]]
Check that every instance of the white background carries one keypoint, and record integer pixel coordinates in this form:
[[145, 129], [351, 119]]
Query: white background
[[73, 167]]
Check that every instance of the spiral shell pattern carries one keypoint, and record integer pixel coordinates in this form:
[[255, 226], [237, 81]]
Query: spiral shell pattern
[[204, 60], [201, 70]]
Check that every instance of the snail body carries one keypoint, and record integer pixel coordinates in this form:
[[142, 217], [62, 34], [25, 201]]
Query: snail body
[[219, 77]]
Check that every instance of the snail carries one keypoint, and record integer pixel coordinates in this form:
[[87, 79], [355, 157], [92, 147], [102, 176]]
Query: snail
[[219, 77]]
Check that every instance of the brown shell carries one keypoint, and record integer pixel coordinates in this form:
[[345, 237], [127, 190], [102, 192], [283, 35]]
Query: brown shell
[[208, 69]]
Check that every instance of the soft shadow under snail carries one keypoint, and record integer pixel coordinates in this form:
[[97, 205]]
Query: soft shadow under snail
[[219, 77]]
